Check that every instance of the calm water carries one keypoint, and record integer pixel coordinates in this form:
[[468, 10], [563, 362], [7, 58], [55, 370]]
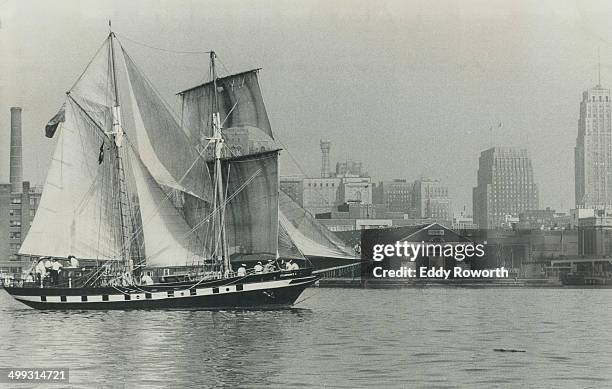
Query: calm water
[[347, 338]]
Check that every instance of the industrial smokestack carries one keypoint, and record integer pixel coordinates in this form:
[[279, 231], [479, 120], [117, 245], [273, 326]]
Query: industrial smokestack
[[16, 167], [325, 146]]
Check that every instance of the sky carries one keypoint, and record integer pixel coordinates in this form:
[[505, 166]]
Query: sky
[[409, 88]]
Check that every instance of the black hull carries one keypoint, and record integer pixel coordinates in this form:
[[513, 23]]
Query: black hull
[[273, 291]]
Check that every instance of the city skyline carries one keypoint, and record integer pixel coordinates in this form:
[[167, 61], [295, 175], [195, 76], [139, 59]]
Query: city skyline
[[364, 72]]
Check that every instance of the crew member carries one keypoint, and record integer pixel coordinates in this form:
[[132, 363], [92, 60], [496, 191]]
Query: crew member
[[242, 270], [40, 270], [146, 280], [295, 266], [258, 268], [269, 267], [73, 261], [56, 267]]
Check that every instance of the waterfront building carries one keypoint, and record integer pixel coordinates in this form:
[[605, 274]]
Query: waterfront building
[[544, 219], [350, 169], [593, 151], [397, 196], [355, 189], [463, 222], [505, 187], [320, 195], [431, 200], [595, 234]]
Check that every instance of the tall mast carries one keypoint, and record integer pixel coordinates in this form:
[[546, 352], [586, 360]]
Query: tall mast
[[117, 136], [220, 197]]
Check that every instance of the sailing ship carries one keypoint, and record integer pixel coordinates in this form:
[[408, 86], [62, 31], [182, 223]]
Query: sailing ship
[[136, 194]]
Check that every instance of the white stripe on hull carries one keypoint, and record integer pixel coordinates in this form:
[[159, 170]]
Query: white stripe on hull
[[182, 293]]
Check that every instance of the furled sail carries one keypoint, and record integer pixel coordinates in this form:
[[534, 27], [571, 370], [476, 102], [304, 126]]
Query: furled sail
[[167, 237], [76, 213], [251, 210], [309, 236], [240, 105], [164, 148]]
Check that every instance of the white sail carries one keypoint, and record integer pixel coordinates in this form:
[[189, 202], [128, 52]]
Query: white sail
[[75, 215], [308, 246], [165, 231], [310, 237], [163, 146]]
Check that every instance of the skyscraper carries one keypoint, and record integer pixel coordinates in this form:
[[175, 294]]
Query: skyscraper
[[431, 200], [593, 152], [505, 186]]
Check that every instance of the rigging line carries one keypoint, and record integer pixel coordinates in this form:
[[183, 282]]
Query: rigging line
[[230, 112], [299, 167], [105, 136], [214, 211], [88, 65], [142, 73], [161, 48], [141, 227]]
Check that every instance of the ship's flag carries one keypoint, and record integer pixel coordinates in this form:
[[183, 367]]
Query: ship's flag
[[55, 121]]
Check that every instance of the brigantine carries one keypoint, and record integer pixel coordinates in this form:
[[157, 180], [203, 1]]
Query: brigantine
[[159, 214]]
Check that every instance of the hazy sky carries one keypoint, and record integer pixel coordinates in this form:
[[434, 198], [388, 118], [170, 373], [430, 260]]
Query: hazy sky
[[410, 88]]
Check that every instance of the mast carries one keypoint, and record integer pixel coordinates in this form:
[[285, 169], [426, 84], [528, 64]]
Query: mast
[[117, 136], [219, 201]]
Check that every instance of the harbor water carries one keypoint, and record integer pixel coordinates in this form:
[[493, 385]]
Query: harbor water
[[349, 338]]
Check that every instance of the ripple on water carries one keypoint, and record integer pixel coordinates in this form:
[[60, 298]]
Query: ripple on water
[[338, 337]]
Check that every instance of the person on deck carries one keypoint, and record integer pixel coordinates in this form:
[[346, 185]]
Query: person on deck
[[289, 265], [73, 261], [55, 271], [241, 270], [146, 280], [48, 264], [269, 267], [258, 268], [40, 270], [295, 266]]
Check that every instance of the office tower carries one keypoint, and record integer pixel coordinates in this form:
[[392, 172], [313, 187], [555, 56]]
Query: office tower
[[593, 152], [505, 187]]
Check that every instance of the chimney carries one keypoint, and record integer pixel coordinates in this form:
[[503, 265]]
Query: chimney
[[325, 146], [16, 168]]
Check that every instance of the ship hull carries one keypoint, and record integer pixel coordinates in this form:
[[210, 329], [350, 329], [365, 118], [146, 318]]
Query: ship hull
[[275, 291]]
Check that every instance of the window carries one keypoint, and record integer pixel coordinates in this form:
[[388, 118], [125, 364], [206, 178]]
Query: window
[[14, 235], [16, 200]]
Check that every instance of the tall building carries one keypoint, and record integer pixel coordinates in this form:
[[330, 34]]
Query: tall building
[[431, 200], [505, 186], [325, 147], [593, 152], [397, 195], [18, 204]]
